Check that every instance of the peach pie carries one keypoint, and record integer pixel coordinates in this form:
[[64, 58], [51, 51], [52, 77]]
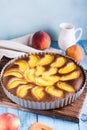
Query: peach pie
[[43, 80]]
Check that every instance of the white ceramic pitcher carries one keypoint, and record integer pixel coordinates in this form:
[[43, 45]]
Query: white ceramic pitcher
[[67, 36]]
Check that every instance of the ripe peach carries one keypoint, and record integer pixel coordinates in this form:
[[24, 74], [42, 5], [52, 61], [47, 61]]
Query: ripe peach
[[75, 52], [9, 121], [41, 40]]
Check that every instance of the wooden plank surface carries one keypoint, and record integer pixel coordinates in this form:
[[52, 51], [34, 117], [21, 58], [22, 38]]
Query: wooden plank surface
[[71, 112]]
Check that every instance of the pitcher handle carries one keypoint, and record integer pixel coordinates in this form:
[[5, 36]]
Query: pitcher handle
[[81, 31]]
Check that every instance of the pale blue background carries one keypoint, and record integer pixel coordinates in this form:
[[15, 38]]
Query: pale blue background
[[19, 17]]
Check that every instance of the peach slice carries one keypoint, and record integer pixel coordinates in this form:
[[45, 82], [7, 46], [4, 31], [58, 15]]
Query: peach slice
[[13, 73], [51, 71], [22, 90], [66, 87], [29, 75], [46, 60], [39, 126], [54, 78], [54, 92], [38, 92], [40, 81], [14, 82], [70, 76], [39, 70], [23, 65], [33, 60], [68, 68], [60, 61]]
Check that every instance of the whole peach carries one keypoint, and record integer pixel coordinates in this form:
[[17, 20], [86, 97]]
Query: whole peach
[[75, 52], [9, 121], [41, 40]]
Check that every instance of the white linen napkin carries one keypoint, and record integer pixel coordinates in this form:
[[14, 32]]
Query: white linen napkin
[[19, 46]]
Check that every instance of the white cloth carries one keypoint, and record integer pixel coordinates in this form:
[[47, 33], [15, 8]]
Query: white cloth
[[19, 46]]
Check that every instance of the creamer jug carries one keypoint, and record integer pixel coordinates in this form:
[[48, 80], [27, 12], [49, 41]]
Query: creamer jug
[[67, 36]]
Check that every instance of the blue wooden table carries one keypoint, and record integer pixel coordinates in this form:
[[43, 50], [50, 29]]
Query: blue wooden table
[[28, 118]]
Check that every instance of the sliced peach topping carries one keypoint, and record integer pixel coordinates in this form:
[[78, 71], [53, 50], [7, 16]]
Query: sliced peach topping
[[47, 59], [51, 71], [23, 65], [68, 68], [14, 82], [66, 87], [42, 82], [38, 92], [22, 90], [60, 61], [33, 60], [29, 75], [39, 70], [53, 78], [13, 72], [54, 92], [70, 76]]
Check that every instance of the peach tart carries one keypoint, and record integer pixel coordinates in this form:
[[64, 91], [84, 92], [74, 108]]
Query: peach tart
[[43, 80]]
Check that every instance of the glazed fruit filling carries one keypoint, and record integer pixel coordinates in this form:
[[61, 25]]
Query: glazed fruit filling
[[41, 76]]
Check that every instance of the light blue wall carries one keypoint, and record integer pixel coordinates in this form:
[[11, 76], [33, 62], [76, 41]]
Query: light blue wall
[[19, 17]]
